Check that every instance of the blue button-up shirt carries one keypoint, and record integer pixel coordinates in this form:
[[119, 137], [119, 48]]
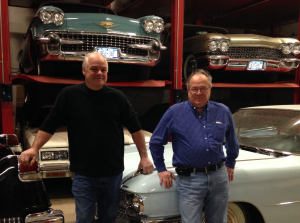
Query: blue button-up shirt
[[197, 139]]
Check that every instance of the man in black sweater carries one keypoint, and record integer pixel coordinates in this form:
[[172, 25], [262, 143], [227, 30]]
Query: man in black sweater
[[95, 115]]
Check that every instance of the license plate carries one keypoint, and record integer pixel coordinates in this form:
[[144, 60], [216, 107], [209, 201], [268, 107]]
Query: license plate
[[109, 53], [256, 65], [60, 174]]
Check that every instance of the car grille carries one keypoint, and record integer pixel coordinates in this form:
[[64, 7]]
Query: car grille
[[126, 214], [98, 40], [253, 53], [54, 166], [11, 220]]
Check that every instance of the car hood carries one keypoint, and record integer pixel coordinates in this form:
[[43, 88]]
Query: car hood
[[99, 23], [252, 40], [132, 158], [58, 139]]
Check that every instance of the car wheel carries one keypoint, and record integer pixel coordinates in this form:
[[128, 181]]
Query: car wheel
[[236, 214], [189, 65]]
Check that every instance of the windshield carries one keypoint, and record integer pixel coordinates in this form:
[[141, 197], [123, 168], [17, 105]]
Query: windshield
[[274, 129]]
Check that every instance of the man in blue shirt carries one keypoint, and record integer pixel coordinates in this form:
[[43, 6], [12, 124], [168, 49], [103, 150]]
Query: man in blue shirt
[[198, 127]]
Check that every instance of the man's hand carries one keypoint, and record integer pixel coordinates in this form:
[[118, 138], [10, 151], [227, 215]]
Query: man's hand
[[230, 173], [166, 177], [28, 157], [147, 165]]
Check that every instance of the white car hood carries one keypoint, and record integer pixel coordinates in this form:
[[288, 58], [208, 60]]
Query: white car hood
[[132, 158]]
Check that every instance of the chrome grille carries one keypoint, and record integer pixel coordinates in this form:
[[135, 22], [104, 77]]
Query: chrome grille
[[125, 215], [104, 40], [54, 166], [253, 53]]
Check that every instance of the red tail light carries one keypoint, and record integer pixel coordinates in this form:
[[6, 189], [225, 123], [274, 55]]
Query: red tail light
[[9, 139], [34, 167], [12, 140]]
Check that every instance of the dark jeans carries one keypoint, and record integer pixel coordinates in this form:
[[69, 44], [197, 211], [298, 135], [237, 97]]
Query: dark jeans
[[89, 190]]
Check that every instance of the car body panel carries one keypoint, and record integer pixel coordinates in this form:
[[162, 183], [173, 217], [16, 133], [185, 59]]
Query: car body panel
[[23, 195], [267, 180]]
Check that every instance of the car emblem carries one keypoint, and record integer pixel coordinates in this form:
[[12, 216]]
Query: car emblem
[[106, 25]]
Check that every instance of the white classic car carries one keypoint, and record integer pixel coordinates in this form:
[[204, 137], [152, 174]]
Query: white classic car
[[267, 173]]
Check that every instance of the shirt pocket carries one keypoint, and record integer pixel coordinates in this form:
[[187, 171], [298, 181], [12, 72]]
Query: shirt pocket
[[219, 132]]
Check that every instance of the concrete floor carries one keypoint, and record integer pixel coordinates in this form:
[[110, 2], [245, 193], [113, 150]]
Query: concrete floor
[[61, 197]]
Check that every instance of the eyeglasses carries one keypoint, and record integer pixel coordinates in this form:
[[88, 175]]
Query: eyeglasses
[[203, 90]]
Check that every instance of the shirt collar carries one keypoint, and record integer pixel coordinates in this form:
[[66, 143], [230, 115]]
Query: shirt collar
[[207, 106]]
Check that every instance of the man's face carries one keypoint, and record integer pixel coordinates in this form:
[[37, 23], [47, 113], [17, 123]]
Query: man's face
[[199, 91], [96, 73]]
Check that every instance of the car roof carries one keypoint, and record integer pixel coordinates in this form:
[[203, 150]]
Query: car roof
[[279, 107]]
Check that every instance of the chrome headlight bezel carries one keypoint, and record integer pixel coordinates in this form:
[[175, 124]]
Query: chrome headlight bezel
[[295, 49], [55, 155], [285, 48], [55, 16], [153, 25], [213, 45], [224, 46]]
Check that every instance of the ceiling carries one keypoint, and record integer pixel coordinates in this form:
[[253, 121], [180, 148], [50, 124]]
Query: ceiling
[[246, 14]]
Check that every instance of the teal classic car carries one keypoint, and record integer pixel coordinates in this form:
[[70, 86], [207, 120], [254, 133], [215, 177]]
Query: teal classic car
[[61, 34], [266, 181]]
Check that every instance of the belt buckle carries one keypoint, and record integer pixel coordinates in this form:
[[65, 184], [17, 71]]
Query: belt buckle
[[206, 171]]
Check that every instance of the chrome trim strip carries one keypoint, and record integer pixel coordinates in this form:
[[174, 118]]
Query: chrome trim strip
[[107, 33], [285, 153], [283, 203], [50, 215], [7, 157], [9, 168]]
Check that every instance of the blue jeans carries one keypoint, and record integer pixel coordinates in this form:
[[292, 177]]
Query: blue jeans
[[210, 190], [89, 190]]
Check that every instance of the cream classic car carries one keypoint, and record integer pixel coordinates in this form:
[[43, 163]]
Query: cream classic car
[[53, 157], [267, 173], [214, 48]]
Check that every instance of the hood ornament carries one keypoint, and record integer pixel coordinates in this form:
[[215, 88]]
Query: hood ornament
[[106, 25]]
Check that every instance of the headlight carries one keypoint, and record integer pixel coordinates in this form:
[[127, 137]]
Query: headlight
[[148, 25], [55, 155], [51, 15], [285, 49], [46, 17], [213, 45], [153, 25], [224, 46], [296, 49], [158, 26], [58, 19]]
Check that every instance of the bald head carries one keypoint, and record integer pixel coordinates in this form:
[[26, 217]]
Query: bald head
[[87, 56]]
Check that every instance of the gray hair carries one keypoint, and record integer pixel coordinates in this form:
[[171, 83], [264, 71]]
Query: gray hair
[[86, 58], [199, 71]]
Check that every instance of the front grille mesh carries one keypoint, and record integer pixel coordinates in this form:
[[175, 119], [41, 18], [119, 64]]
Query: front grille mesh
[[98, 40], [253, 53]]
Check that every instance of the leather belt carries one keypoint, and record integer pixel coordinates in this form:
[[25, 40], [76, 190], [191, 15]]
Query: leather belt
[[208, 168]]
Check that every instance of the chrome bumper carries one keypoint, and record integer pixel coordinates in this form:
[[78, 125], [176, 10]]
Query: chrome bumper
[[220, 62], [53, 170], [51, 51], [47, 216]]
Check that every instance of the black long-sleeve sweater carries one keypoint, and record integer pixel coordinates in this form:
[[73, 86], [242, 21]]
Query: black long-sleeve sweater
[[95, 121]]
